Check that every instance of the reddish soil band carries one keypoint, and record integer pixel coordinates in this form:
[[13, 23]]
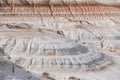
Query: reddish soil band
[[59, 10]]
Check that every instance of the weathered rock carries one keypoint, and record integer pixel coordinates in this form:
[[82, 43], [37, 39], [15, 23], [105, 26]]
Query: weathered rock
[[32, 39], [105, 37], [43, 49]]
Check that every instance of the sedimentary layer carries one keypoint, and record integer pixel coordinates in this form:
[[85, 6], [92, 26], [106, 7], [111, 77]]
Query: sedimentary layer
[[41, 49], [58, 8]]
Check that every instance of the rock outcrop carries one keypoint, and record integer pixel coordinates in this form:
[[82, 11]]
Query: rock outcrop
[[43, 49], [58, 8], [96, 19], [59, 36]]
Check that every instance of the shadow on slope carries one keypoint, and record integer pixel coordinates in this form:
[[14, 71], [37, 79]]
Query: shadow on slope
[[11, 71]]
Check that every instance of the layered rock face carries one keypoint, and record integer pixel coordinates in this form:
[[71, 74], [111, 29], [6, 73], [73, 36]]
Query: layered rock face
[[42, 35], [94, 19], [106, 37], [58, 8], [45, 49], [36, 49]]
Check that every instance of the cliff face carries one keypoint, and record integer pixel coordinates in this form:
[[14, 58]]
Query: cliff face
[[100, 22], [59, 8], [69, 37]]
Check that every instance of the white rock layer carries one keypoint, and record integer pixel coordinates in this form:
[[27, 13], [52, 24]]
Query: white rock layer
[[43, 49]]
